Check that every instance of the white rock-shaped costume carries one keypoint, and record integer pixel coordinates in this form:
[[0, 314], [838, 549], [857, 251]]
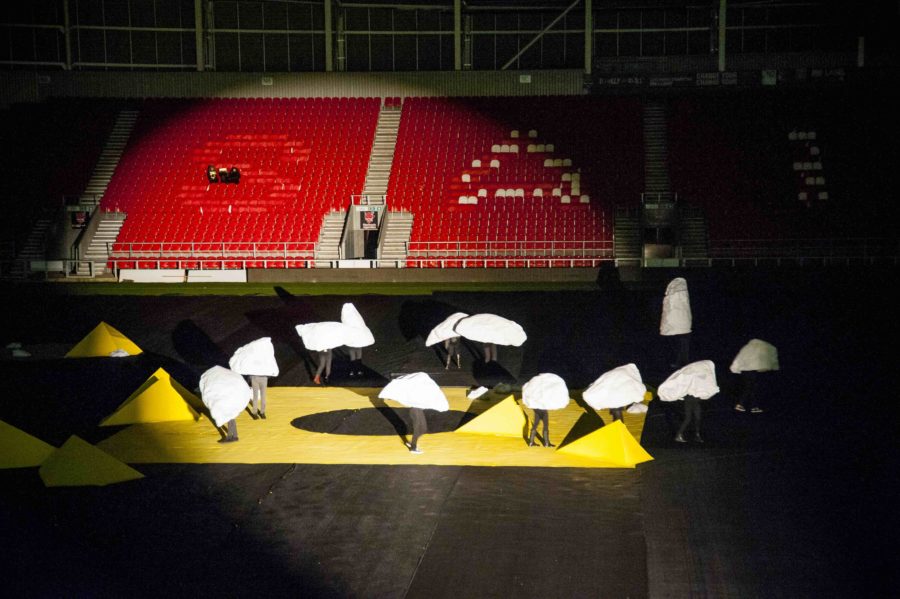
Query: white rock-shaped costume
[[358, 334], [757, 355], [697, 379], [490, 328], [676, 311], [319, 336], [445, 330], [616, 388], [257, 358], [416, 390], [545, 391], [225, 393]]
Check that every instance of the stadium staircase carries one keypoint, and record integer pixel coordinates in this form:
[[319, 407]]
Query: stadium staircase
[[627, 240], [693, 236], [396, 231], [382, 156], [656, 152], [328, 245], [109, 157], [98, 240], [32, 249]]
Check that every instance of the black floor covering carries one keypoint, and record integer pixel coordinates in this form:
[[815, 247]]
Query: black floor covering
[[799, 501]]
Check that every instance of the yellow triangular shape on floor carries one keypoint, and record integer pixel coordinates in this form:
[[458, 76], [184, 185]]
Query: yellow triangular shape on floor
[[78, 463], [101, 342], [18, 449], [505, 419], [612, 443], [160, 399]]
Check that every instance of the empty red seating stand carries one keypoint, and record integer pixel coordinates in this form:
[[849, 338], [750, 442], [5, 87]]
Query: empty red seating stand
[[517, 176], [298, 159]]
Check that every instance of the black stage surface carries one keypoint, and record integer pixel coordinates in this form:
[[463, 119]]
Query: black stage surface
[[797, 502]]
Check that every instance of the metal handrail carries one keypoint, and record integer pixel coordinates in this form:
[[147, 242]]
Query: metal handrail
[[199, 249]]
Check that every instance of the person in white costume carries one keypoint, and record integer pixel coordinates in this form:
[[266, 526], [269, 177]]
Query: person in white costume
[[322, 338], [418, 392], [690, 384], [444, 332], [491, 330], [755, 357], [542, 393], [225, 393], [358, 337], [676, 321], [257, 361], [616, 390]]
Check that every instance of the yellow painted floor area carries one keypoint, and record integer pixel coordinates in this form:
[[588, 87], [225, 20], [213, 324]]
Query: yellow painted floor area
[[276, 440]]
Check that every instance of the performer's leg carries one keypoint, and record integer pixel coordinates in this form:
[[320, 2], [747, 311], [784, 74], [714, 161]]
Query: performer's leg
[[545, 416], [695, 406], [686, 421], [534, 426], [420, 427], [263, 384]]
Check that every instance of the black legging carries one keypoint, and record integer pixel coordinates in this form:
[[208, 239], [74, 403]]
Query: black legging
[[540, 415], [748, 392], [691, 414], [616, 413], [419, 425]]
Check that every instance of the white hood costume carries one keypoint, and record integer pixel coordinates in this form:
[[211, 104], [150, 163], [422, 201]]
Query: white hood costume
[[545, 392], [225, 393], [319, 336], [445, 331], [257, 358], [358, 334], [676, 309], [757, 355], [416, 390], [697, 379], [616, 388], [490, 328]]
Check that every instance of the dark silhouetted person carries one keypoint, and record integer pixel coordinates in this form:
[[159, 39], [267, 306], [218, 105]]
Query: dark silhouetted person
[[211, 174], [234, 175]]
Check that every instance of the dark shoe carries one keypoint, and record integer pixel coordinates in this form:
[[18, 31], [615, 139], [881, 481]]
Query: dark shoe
[[532, 444], [698, 438], [254, 415], [262, 415], [679, 439], [228, 440], [548, 444]]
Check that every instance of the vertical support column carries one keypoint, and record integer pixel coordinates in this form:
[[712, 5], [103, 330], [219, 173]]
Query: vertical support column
[[723, 10], [67, 35], [329, 41], [457, 35], [198, 34], [588, 37]]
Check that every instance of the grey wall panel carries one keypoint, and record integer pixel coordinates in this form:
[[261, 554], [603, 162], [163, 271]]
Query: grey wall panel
[[29, 87]]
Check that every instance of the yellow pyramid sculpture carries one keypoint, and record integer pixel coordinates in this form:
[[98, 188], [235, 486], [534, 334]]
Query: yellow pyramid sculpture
[[101, 342], [160, 399], [505, 419], [18, 449], [612, 443], [78, 463]]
